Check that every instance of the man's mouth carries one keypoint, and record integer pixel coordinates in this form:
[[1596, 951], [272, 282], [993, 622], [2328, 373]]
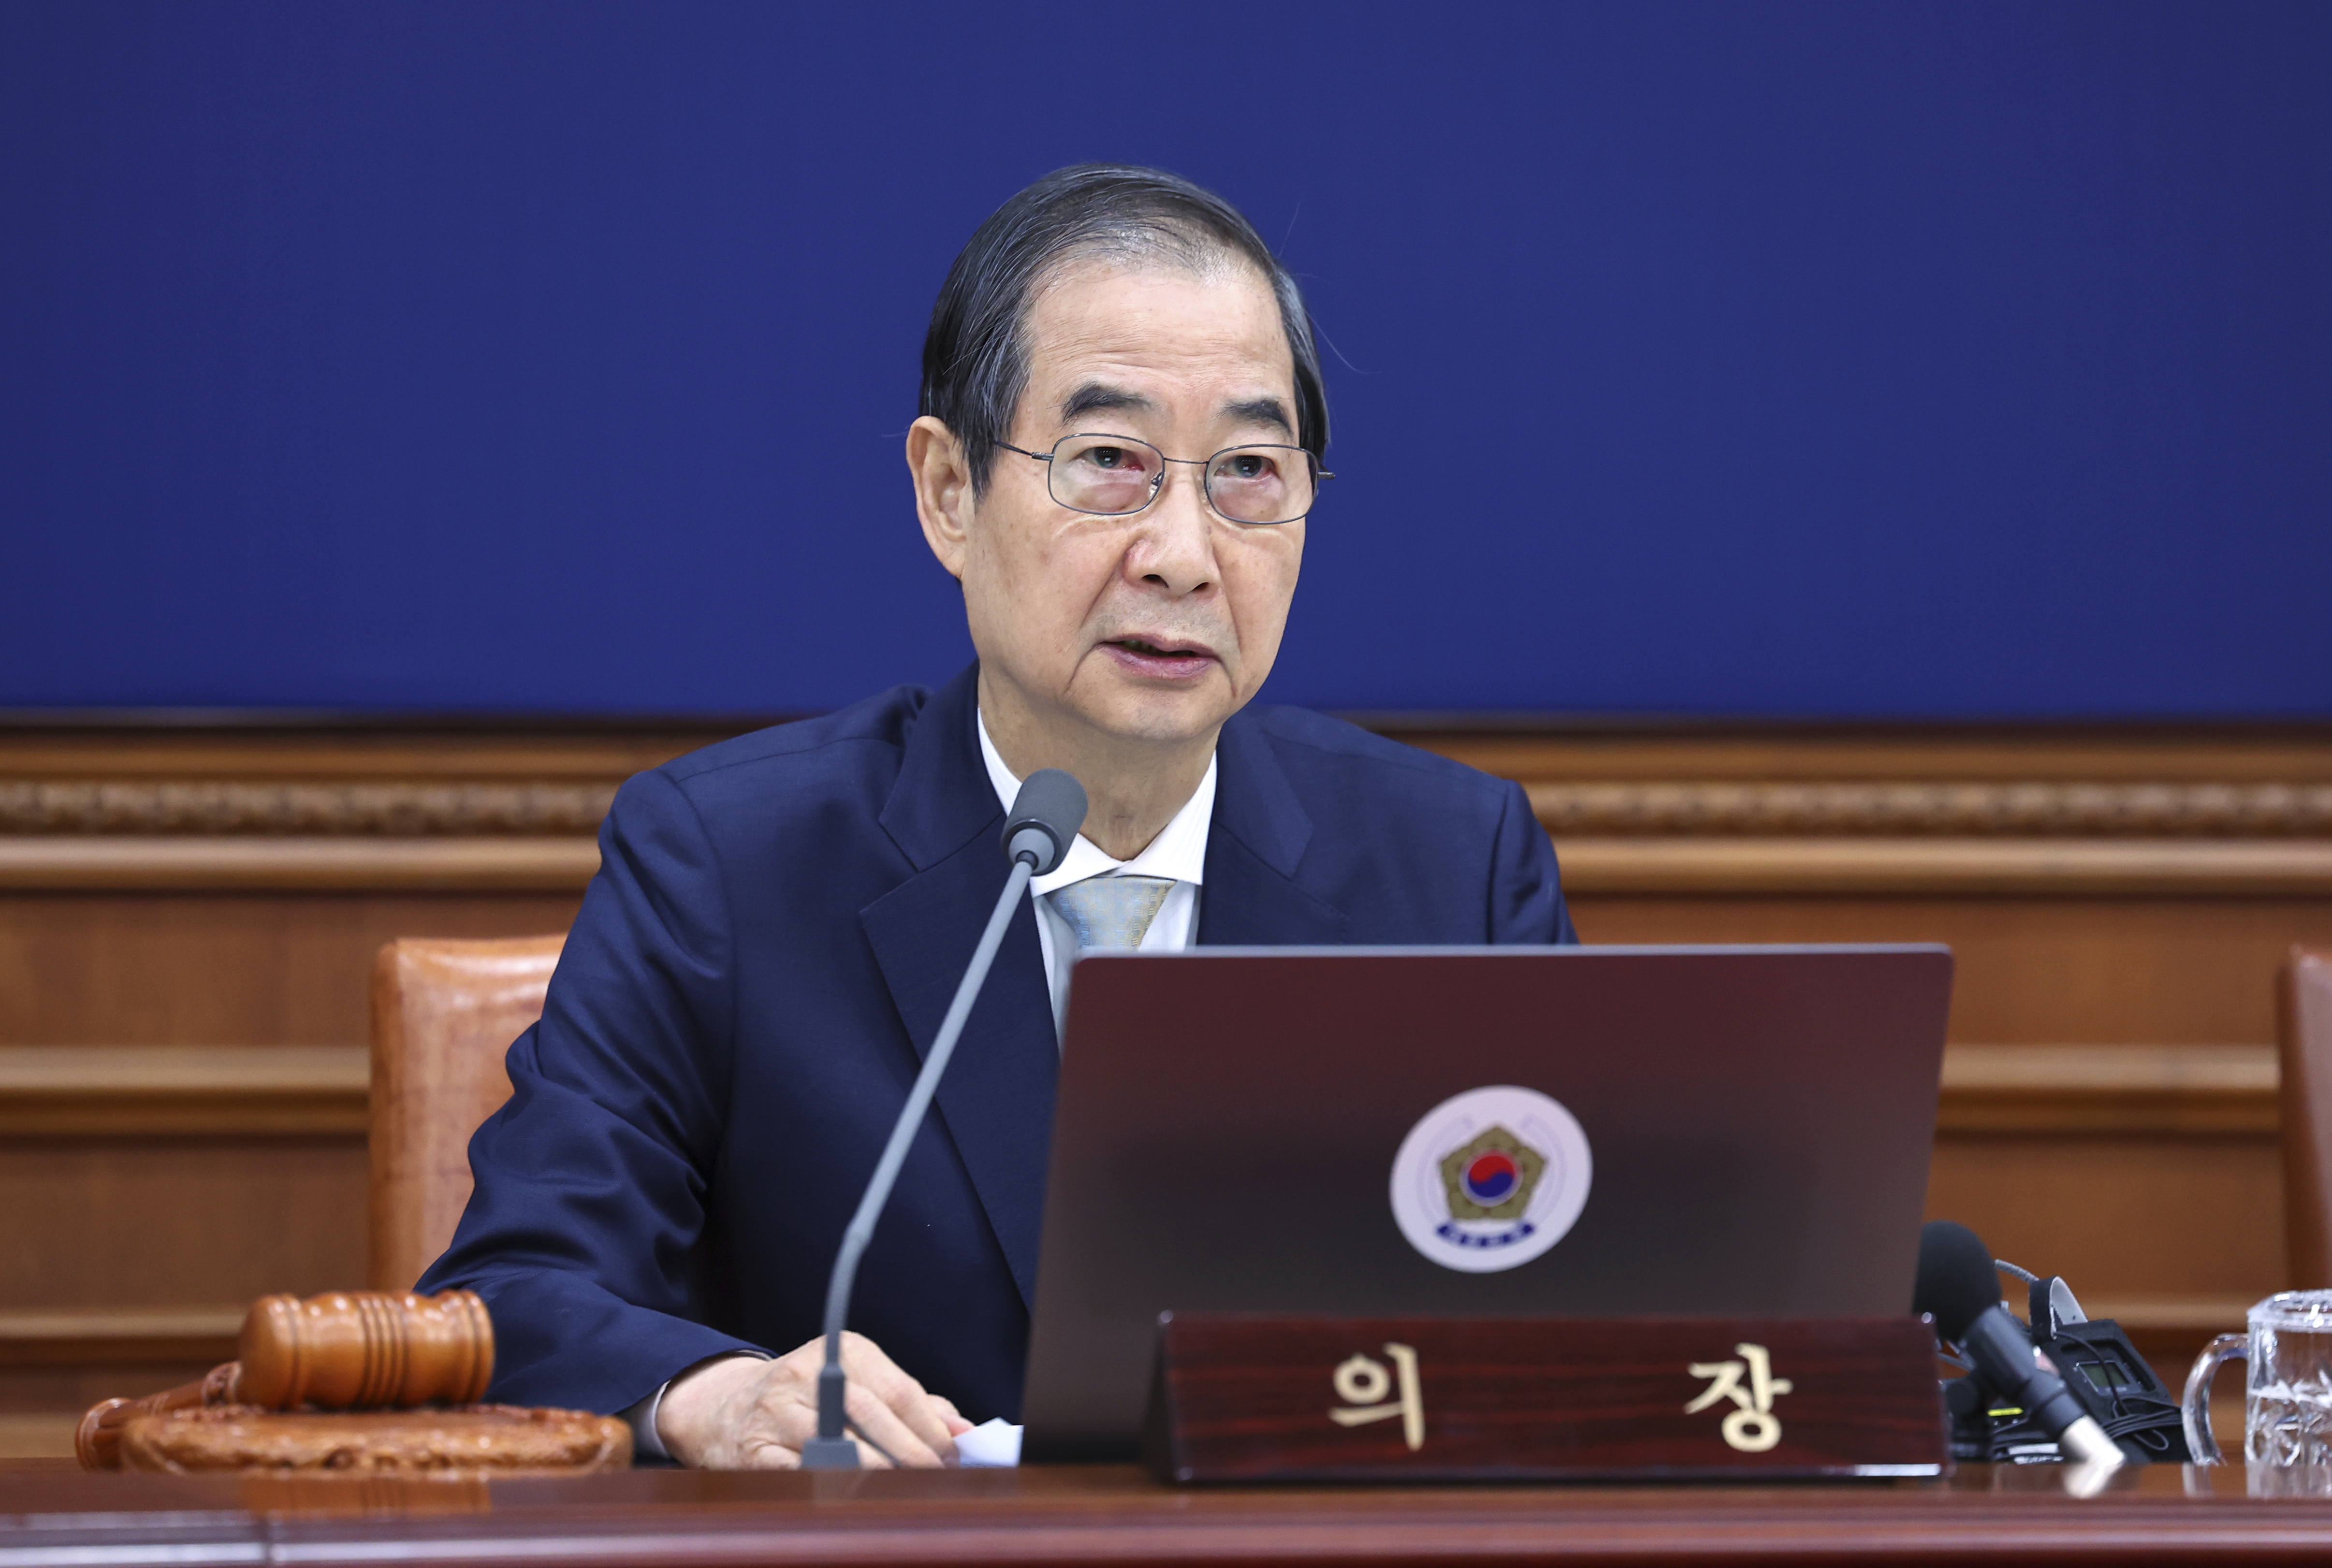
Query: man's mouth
[[1160, 655], [1160, 650]]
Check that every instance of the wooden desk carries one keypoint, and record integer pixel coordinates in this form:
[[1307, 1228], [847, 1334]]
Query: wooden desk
[[53, 1517]]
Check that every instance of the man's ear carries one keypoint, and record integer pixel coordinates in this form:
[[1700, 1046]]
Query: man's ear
[[944, 498]]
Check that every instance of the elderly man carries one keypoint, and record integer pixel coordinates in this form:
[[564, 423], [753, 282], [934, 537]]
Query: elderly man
[[1120, 442]]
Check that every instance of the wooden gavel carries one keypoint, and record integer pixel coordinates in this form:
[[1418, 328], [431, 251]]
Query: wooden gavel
[[343, 1351]]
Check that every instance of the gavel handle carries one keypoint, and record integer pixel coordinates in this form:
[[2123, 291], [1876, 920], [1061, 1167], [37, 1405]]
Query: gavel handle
[[97, 1440]]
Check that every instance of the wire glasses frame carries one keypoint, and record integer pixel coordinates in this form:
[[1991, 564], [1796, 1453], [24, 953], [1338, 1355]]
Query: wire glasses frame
[[1106, 475]]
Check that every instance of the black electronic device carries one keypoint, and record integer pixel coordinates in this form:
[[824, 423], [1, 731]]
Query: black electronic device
[[1958, 1290], [2102, 1372]]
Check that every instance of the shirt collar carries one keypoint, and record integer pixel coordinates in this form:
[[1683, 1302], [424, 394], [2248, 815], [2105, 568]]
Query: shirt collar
[[1178, 853]]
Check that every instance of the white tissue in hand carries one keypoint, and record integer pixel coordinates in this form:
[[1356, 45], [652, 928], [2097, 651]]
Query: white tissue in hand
[[991, 1445]]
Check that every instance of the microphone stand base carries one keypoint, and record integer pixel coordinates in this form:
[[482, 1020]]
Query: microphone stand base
[[829, 1454]]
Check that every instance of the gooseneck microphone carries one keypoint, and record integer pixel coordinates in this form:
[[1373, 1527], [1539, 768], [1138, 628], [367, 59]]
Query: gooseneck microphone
[[1037, 832], [1960, 1289]]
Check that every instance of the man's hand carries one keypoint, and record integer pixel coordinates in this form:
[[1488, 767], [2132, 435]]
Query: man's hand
[[741, 1414]]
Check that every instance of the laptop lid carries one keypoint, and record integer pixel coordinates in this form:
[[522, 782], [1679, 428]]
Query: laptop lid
[[1583, 1130]]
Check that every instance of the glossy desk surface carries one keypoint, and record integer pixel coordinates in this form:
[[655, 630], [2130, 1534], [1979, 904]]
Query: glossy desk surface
[[57, 1516]]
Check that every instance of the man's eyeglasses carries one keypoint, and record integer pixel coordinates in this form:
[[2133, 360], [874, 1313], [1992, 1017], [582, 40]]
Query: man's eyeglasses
[[1117, 476]]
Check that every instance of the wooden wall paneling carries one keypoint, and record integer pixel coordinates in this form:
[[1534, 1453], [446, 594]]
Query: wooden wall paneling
[[2164, 1224], [2032, 970], [55, 1364], [130, 1092], [512, 864], [2145, 1174], [1543, 754], [135, 1233], [2152, 1090], [239, 1091], [304, 749], [152, 1222], [183, 968], [1718, 865], [131, 1336]]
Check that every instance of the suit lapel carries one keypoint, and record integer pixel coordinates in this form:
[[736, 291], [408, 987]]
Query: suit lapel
[[996, 1099], [1254, 845]]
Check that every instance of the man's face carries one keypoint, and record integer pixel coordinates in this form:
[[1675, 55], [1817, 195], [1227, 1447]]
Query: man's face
[[1160, 625]]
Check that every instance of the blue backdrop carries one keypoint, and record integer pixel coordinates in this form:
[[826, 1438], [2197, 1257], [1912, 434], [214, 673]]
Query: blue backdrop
[[1816, 359]]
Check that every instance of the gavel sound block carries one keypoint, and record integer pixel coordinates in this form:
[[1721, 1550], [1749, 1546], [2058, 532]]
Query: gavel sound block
[[399, 1376]]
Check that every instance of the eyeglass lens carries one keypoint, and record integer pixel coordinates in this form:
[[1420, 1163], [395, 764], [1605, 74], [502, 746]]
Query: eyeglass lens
[[1116, 475]]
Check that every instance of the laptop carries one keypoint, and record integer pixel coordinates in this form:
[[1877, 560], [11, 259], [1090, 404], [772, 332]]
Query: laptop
[[1702, 1131]]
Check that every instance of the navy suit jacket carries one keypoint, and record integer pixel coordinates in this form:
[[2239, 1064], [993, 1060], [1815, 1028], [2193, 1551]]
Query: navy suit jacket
[[777, 923]]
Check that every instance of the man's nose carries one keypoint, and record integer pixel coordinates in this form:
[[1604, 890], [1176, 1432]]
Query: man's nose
[[1175, 547]]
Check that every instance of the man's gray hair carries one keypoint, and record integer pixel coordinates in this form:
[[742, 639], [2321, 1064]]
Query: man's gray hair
[[976, 353]]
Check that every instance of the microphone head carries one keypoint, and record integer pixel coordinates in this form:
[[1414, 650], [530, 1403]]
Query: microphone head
[[1045, 819], [1958, 1283]]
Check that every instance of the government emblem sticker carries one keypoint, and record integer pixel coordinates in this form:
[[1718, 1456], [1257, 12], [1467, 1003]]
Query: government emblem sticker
[[1490, 1179]]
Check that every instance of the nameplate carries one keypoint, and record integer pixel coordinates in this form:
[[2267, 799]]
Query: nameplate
[[1239, 1397]]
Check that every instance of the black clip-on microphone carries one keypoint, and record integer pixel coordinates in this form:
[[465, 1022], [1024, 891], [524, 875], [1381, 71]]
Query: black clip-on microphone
[[1037, 832]]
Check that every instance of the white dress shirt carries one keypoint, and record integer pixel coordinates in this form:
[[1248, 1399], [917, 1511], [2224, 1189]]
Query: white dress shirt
[[1178, 854]]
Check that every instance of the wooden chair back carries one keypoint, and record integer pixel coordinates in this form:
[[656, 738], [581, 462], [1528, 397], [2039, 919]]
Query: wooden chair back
[[443, 1014], [2304, 1047]]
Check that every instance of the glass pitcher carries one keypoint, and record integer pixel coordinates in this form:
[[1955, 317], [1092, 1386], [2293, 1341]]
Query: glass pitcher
[[2288, 1389]]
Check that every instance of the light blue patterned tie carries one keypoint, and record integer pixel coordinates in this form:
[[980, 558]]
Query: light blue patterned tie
[[1111, 913]]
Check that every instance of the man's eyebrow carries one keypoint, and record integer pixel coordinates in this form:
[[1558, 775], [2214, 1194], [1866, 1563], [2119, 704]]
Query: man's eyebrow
[[1094, 397], [1260, 411]]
